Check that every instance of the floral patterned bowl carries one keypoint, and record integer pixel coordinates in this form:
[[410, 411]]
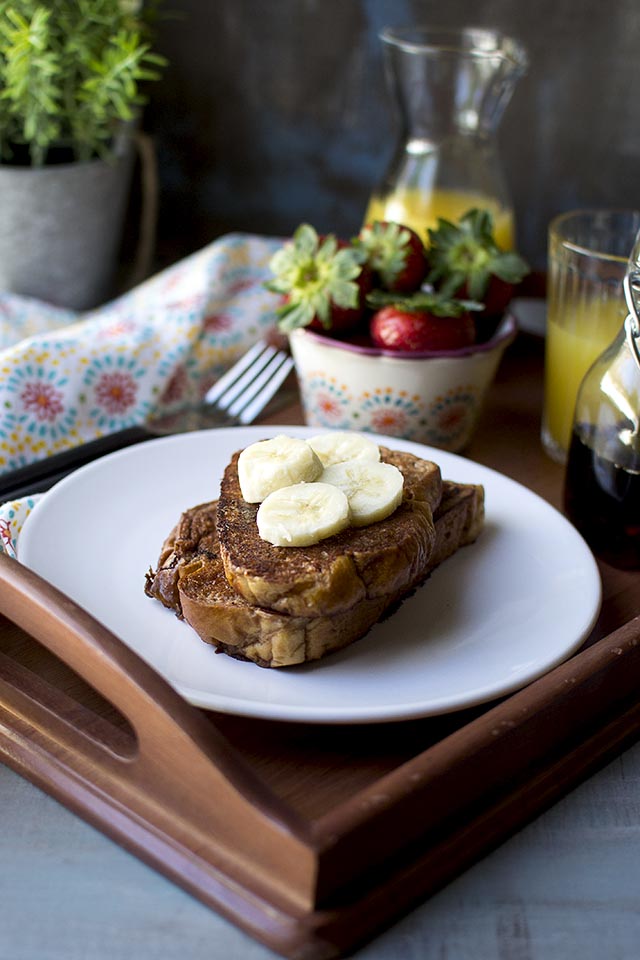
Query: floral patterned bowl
[[433, 398]]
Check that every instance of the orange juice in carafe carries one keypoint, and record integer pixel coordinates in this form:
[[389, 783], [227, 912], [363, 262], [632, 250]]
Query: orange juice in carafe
[[450, 89], [421, 210]]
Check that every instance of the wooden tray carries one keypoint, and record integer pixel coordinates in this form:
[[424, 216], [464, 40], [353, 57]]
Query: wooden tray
[[312, 839]]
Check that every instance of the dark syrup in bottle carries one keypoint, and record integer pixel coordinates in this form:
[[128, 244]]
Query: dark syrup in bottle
[[602, 500]]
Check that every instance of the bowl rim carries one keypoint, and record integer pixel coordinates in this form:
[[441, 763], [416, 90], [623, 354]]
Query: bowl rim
[[504, 334]]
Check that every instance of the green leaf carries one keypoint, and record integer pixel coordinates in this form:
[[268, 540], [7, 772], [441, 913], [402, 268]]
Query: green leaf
[[444, 234], [423, 302], [345, 294], [477, 283], [452, 282], [480, 226], [509, 267], [297, 315], [305, 240]]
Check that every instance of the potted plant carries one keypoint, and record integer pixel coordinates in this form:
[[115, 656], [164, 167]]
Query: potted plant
[[70, 94]]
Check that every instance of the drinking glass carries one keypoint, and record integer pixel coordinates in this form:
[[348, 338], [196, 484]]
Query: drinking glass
[[588, 257]]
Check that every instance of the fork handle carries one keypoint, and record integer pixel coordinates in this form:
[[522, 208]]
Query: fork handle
[[41, 476]]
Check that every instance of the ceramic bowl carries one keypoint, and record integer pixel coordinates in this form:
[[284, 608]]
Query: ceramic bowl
[[433, 398]]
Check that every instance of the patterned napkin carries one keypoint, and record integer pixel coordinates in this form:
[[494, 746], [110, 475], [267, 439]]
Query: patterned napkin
[[66, 378]]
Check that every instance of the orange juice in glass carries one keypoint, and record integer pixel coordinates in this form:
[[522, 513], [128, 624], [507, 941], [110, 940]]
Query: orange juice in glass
[[588, 254]]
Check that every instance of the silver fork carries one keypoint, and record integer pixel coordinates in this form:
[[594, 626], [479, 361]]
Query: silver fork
[[245, 390]]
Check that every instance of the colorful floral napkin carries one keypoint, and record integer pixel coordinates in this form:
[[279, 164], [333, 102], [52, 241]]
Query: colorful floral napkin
[[66, 378]]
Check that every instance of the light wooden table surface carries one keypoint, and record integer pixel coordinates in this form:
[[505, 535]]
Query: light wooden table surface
[[567, 887]]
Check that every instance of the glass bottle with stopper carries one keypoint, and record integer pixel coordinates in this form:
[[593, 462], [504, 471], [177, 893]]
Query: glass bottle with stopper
[[602, 482], [450, 88]]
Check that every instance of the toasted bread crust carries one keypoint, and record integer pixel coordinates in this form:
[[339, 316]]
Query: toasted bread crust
[[459, 519], [190, 579], [335, 574]]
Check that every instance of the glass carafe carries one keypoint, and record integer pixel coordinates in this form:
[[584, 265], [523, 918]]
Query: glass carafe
[[450, 88], [602, 482]]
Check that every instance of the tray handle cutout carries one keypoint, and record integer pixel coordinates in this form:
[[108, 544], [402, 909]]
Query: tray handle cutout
[[184, 783]]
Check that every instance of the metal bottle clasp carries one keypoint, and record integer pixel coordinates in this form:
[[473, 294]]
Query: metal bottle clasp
[[631, 285]]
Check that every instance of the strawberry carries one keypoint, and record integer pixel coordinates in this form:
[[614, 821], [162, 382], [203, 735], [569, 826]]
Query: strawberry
[[322, 281], [424, 321], [395, 253], [395, 329], [465, 261], [496, 297]]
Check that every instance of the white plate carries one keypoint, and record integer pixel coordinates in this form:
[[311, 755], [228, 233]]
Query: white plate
[[530, 314], [492, 618]]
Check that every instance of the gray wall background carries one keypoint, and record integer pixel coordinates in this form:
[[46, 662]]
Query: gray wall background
[[275, 111]]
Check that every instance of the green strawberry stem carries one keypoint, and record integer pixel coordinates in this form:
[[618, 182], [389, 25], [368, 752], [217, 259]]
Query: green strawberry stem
[[313, 274], [423, 302], [387, 246], [466, 254]]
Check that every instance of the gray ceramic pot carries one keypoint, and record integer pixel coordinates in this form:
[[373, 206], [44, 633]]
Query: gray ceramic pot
[[61, 228]]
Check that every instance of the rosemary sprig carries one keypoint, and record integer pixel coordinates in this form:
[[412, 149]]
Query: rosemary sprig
[[70, 72]]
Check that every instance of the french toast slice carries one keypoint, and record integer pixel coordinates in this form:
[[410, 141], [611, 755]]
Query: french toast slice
[[331, 576], [190, 580]]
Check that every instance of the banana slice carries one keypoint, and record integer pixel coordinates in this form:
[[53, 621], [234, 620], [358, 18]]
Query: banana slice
[[373, 490], [302, 514], [339, 447], [267, 465]]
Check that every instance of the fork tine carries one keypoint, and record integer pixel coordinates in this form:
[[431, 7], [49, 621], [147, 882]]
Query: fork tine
[[244, 390], [262, 398], [228, 378], [253, 384], [242, 383], [264, 380]]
